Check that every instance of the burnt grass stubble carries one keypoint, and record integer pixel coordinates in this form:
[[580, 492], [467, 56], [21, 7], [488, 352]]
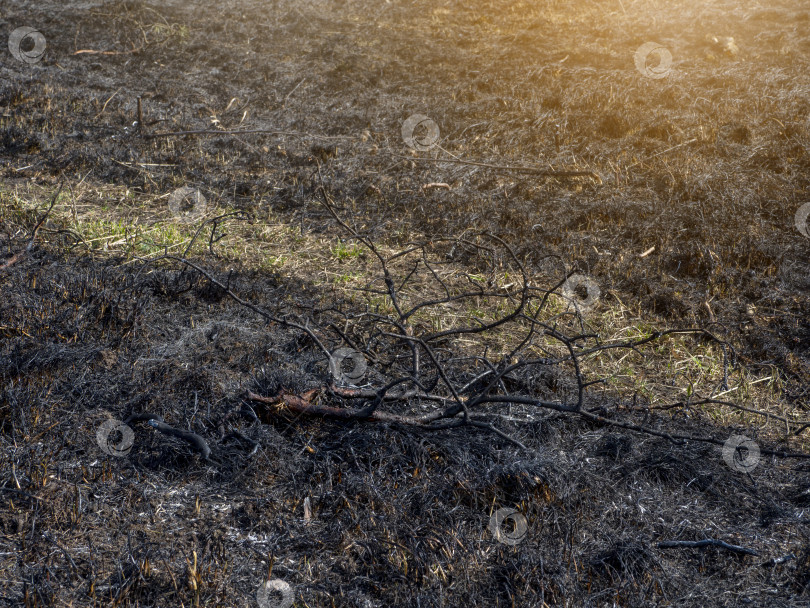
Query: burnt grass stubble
[[399, 516]]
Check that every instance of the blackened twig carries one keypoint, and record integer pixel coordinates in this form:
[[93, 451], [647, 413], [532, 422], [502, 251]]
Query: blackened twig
[[18, 256], [709, 542], [532, 170]]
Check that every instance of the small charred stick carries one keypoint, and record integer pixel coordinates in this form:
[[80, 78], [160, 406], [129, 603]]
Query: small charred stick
[[709, 542]]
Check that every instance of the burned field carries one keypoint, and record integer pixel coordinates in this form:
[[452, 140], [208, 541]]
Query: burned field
[[404, 304]]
